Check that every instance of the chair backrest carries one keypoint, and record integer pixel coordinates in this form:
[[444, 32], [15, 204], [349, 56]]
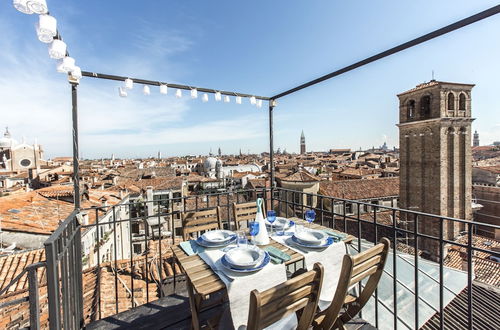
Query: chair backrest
[[244, 212], [298, 293], [367, 264], [200, 221]]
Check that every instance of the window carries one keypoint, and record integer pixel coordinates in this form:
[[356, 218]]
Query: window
[[348, 209], [411, 109], [137, 249], [25, 162], [451, 101], [461, 102], [425, 106]]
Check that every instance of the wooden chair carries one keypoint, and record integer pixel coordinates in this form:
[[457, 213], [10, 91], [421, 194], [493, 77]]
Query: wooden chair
[[197, 222], [300, 293], [244, 212], [369, 263]]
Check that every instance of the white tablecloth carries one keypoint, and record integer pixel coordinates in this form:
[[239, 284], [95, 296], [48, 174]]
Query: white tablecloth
[[331, 259], [239, 289]]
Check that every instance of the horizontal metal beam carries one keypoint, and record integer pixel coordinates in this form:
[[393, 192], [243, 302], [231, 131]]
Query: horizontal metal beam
[[158, 83], [452, 27]]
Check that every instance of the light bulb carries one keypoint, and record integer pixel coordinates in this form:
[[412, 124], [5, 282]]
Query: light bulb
[[146, 90], [238, 99], [253, 100], [57, 49], [205, 97], [218, 96], [178, 93], [163, 89], [194, 93], [227, 99], [129, 83]]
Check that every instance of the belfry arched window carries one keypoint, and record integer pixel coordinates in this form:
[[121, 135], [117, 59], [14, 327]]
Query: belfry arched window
[[425, 106], [451, 101], [410, 108], [461, 102]]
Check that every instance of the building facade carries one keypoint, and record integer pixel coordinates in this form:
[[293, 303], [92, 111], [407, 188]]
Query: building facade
[[435, 156]]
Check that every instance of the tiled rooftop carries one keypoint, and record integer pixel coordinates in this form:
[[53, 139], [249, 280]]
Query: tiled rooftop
[[360, 189]]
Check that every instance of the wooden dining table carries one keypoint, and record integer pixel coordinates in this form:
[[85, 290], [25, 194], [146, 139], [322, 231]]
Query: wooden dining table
[[204, 282]]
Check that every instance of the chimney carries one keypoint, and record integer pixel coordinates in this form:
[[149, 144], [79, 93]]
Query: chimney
[[104, 201], [149, 199]]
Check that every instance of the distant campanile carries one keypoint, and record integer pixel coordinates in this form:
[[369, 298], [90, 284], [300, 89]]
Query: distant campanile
[[302, 143], [435, 156]]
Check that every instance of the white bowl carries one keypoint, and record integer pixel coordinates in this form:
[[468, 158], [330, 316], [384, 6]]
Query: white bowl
[[245, 257], [312, 237], [279, 223], [217, 236]]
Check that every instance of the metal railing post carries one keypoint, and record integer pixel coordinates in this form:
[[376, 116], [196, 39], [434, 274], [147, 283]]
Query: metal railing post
[[34, 297]]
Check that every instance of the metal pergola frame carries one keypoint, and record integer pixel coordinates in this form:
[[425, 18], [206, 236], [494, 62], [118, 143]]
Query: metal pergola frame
[[272, 100]]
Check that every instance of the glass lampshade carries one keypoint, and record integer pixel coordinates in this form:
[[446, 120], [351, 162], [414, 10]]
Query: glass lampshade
[[227, 99], [57, 49], [205, 97], [194, 93], [218, 96], [21, 6], [146, 90], [129, 83], [46, 28], [259, 103], [76, 72], [66, 65], [37, 6], [178, 93], [253, 100], [122, 92], [163, 89], [238, 99]]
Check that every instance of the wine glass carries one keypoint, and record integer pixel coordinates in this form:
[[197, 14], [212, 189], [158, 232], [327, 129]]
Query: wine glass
[[310, 216], [254, 229], [271, 217]]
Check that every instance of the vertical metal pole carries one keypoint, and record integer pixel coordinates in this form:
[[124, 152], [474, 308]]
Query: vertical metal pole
[[76, 165], [271, 149], [34, 298]]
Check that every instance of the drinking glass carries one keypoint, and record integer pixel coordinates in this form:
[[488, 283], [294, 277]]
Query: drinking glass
[[271, 217], [241, 238], [254, 229], [310, 216]]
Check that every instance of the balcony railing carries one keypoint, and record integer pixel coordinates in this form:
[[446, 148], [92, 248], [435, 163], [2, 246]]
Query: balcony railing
[[120, 258]]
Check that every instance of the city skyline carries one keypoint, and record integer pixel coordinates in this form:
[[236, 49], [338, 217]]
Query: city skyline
[[189, 52]]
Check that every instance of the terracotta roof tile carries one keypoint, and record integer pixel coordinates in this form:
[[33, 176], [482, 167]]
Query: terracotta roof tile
[[360, 189]]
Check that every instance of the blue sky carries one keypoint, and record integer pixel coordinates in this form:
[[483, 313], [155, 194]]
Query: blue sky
[[256, 47]]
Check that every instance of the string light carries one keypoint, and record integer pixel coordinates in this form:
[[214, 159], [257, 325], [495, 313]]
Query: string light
[[178, 93], [129, 83], [253, 100], [146, 90], [163, 89], [76, 72], [227, 99], [205, 97], [57, 49], [66, 65], [37, 6], [238, 99], [194, 93], [218, 96], [21, 6]]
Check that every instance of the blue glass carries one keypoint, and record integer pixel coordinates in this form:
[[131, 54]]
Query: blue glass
[[271, 217], [310, 216], [254, 228]]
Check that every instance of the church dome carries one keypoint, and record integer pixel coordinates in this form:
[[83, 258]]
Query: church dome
[[7, 141], [210, 164]]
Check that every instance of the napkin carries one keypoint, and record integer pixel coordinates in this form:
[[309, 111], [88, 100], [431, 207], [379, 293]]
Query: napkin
[[337, 236], [277, 256], [191, 248]]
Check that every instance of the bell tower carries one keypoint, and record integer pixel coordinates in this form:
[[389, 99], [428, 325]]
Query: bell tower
[[302, 143], [435, 157]]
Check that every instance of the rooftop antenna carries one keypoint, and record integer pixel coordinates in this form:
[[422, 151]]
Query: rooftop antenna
[[432, 74]]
